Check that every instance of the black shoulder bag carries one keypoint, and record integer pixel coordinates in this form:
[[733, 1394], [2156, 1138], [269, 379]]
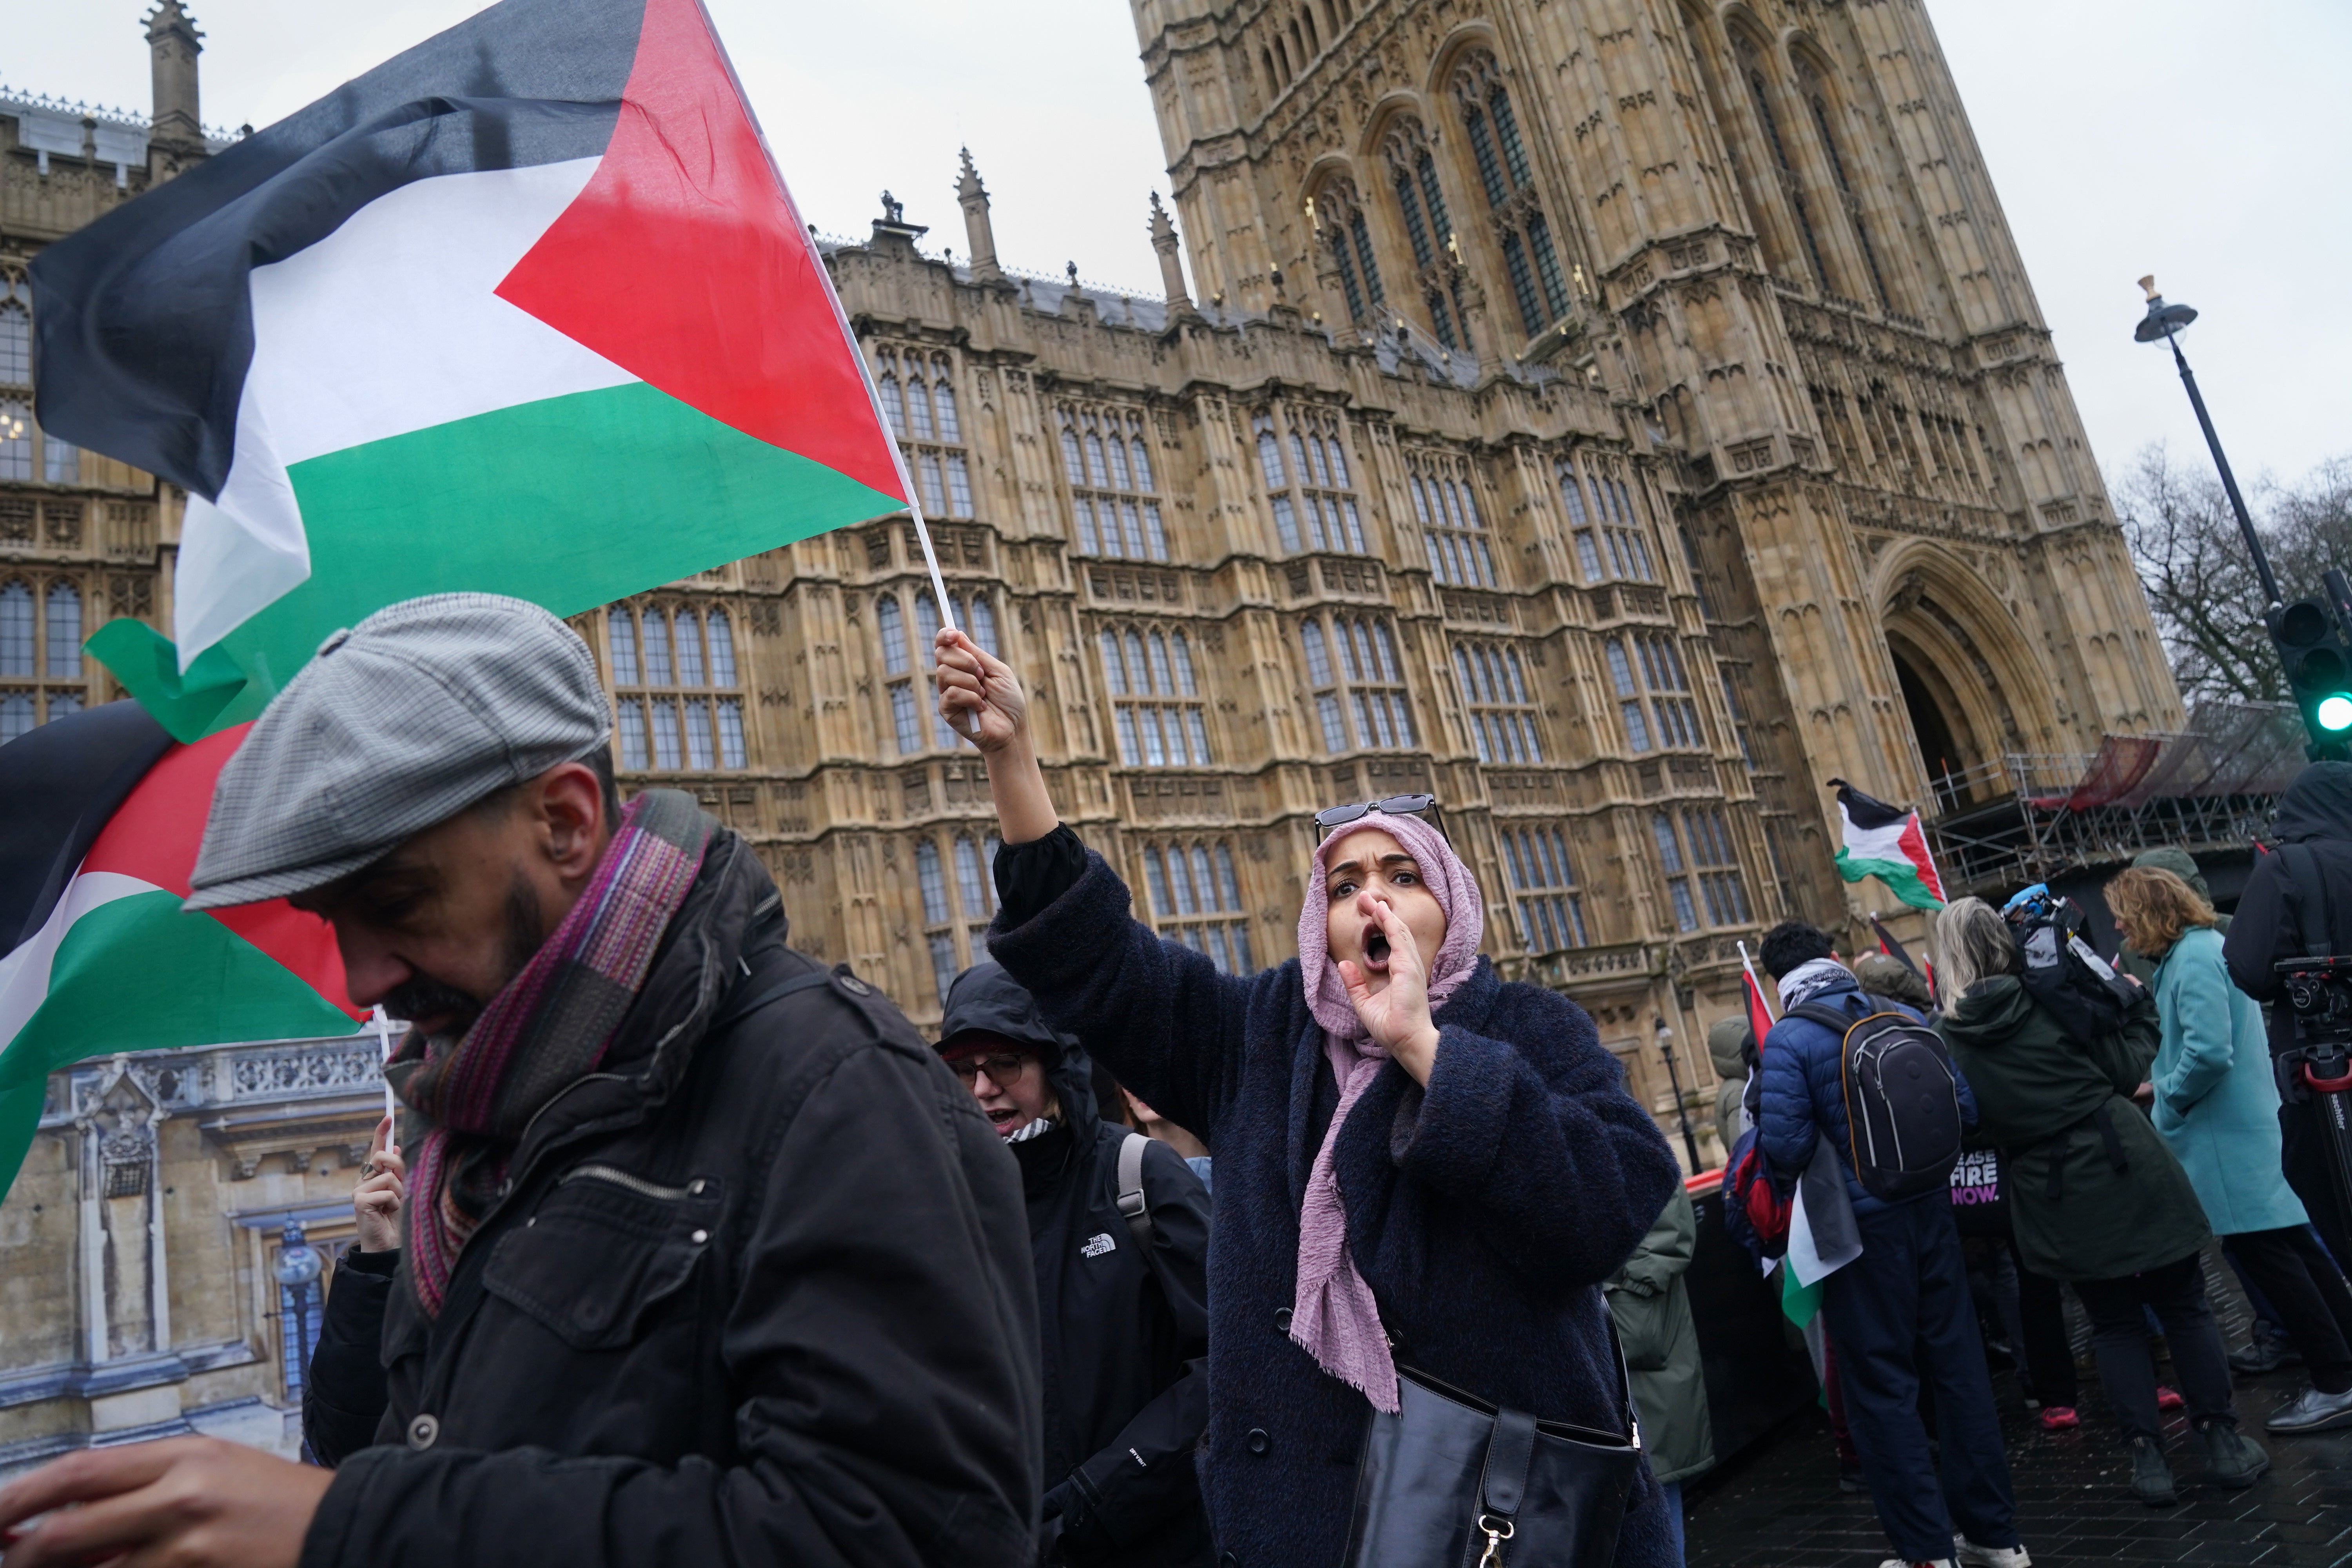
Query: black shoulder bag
[[1451, 1482]]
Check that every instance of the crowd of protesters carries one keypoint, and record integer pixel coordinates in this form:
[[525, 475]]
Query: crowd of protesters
[[698, 1252]]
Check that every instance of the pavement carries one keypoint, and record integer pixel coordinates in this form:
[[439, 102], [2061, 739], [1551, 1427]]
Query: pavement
[[1778, 1505]]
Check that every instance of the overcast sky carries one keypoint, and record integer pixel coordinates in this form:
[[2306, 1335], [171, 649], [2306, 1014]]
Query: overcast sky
[[2204, 143]]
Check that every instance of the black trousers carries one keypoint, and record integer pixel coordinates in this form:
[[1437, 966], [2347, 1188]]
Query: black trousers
[[1903, 1322], [2049, 1353], [2119, 1309], [2307, 1292]]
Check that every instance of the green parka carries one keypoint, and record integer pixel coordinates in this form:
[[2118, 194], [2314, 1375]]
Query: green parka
[[1651, 1305], [2119, 1202]]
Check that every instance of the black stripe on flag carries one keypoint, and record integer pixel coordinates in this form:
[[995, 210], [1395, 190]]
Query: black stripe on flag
[[144, 322], [1867, 811], [59, 785]]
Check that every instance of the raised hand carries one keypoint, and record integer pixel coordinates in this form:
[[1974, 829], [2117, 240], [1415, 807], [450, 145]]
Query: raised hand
[[194, 1502], [1397, 1015], [383, 1190], [978, 695]]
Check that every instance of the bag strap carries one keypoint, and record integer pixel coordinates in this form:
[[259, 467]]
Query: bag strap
[[1828, 1018], [741, 1010], [1131, 1204], [1509, 1452]]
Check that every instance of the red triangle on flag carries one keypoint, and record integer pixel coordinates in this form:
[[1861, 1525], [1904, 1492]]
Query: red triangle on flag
[[154, 836], [684, 262]]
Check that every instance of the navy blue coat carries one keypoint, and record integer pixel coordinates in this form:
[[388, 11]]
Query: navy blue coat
[[1484, 1212], [1805, 1092]]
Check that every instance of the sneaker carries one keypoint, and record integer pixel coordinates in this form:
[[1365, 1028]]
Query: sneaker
[[1930, 1562], [2151, 1479], [2314, 1411], [1971, 1555], [2167, 1399], [2233, 1458], [2060, 1418]]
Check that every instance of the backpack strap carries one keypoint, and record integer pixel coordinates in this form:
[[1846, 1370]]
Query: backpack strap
[[1131, 1204], [1826, 1017]]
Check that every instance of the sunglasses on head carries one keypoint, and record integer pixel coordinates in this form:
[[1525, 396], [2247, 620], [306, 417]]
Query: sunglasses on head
[[1333, 817]]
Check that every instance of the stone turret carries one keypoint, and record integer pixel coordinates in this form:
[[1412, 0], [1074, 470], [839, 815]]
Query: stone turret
[[979, 237], [1172, 266], [177, 124]]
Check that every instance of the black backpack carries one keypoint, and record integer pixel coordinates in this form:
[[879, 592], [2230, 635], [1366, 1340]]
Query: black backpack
[[2062, 971], [1902, 1100]]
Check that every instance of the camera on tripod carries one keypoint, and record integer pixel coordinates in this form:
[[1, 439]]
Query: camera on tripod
[[2318, 991]]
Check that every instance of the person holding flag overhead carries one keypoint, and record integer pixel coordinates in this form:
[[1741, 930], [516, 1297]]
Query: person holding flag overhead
[[708, 1258]]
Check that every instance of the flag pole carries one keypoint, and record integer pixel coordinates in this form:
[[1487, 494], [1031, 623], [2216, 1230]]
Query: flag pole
[[1750, 968], [383, 1039]]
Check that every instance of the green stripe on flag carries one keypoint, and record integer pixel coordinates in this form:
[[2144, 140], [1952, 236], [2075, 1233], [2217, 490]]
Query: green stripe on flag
[[570, 503], [216, 987], [1901, 876]]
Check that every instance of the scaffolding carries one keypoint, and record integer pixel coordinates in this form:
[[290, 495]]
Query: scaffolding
[[2031, 818]]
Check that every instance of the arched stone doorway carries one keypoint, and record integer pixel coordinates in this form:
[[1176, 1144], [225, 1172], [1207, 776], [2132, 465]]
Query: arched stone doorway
[[1947, 747], [1968, 684]]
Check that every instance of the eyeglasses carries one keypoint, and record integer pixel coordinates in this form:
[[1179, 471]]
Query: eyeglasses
[[1333, 817], [1000, 1069]]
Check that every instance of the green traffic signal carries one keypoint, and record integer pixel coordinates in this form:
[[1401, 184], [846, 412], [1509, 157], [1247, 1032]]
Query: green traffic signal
[[2335, 711]]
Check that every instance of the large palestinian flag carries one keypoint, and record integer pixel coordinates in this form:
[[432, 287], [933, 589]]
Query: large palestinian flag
[[1885, 842], [100, 814], [525, 309]]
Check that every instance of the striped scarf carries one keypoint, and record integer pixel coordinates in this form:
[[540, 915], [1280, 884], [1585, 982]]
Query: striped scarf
[[548, 1028]]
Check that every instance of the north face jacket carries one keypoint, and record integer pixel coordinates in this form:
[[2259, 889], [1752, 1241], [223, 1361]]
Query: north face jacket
[[757, 1293], [1123, 1333]]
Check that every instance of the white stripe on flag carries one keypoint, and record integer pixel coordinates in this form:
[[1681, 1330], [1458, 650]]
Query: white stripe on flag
[[1804, 1257], [25, 974]]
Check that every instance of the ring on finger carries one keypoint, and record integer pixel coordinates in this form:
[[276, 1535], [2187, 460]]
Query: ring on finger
[[367, 1169]]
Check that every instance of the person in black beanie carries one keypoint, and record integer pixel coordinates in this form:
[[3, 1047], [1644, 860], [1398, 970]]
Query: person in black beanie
[[1123, 1301]]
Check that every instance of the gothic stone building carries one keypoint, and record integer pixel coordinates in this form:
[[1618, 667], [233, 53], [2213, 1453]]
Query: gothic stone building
[[1618, 417]]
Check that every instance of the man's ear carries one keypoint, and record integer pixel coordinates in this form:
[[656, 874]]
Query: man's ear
[[570, 800]]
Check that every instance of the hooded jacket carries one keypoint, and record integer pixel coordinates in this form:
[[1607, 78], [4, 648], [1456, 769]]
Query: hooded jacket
[[755, 1295], [1729, 1045], [1122, 1336], [2094, 1192], [1804, 1076], [2298, 900]]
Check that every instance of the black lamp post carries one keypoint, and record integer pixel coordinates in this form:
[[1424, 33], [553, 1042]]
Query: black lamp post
[[298, 1267], [1673, 1080], [2165, 322]]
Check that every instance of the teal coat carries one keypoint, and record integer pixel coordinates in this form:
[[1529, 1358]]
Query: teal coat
[[2216, 1101]]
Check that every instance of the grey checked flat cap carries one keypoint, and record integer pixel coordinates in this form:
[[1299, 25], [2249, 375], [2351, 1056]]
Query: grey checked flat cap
[[399, 724]]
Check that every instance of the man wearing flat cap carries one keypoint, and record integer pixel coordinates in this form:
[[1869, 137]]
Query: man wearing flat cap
[[707, 1258]]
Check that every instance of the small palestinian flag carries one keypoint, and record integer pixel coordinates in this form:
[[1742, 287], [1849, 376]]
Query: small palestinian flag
[[1760, 1011], [1885, 842], [100, 814], [525, 309]]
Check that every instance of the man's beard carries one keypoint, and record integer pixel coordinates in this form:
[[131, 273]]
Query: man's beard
[[423, 997]]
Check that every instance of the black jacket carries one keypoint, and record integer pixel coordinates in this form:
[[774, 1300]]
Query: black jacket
[[1124, 1337], [756, 1296], [2298, 900]]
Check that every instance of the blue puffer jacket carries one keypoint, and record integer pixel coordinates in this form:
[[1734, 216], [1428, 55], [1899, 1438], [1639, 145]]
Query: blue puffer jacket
[[1804, 1092]]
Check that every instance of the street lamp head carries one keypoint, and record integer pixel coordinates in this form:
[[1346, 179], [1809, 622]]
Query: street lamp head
[[298, 1263], [2162, 321]]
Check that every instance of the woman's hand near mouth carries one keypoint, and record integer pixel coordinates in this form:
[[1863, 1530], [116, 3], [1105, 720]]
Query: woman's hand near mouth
[[1397, 1015]]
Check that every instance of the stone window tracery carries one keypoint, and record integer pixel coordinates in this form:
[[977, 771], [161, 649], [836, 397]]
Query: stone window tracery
[[679, 703], [1196, 898], [1612, 542], [918, 398], [1307, 484], [1108, 462], [1429, 230], [1158, 712], [1353, 670], [1501, 703], [1339, 219], [1445, 503], [1550, 906], [1702, 853], [42, 676], [958, 892], [1530, 259]]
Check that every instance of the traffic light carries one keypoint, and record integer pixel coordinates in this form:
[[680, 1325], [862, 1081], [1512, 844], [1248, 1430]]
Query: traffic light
[[2318, 662]]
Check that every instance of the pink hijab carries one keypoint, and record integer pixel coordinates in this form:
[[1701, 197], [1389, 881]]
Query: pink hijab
[[1334, 1318]]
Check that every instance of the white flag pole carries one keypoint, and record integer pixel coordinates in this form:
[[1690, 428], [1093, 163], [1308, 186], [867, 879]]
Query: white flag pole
[[383, 1039], [1760, 992]]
